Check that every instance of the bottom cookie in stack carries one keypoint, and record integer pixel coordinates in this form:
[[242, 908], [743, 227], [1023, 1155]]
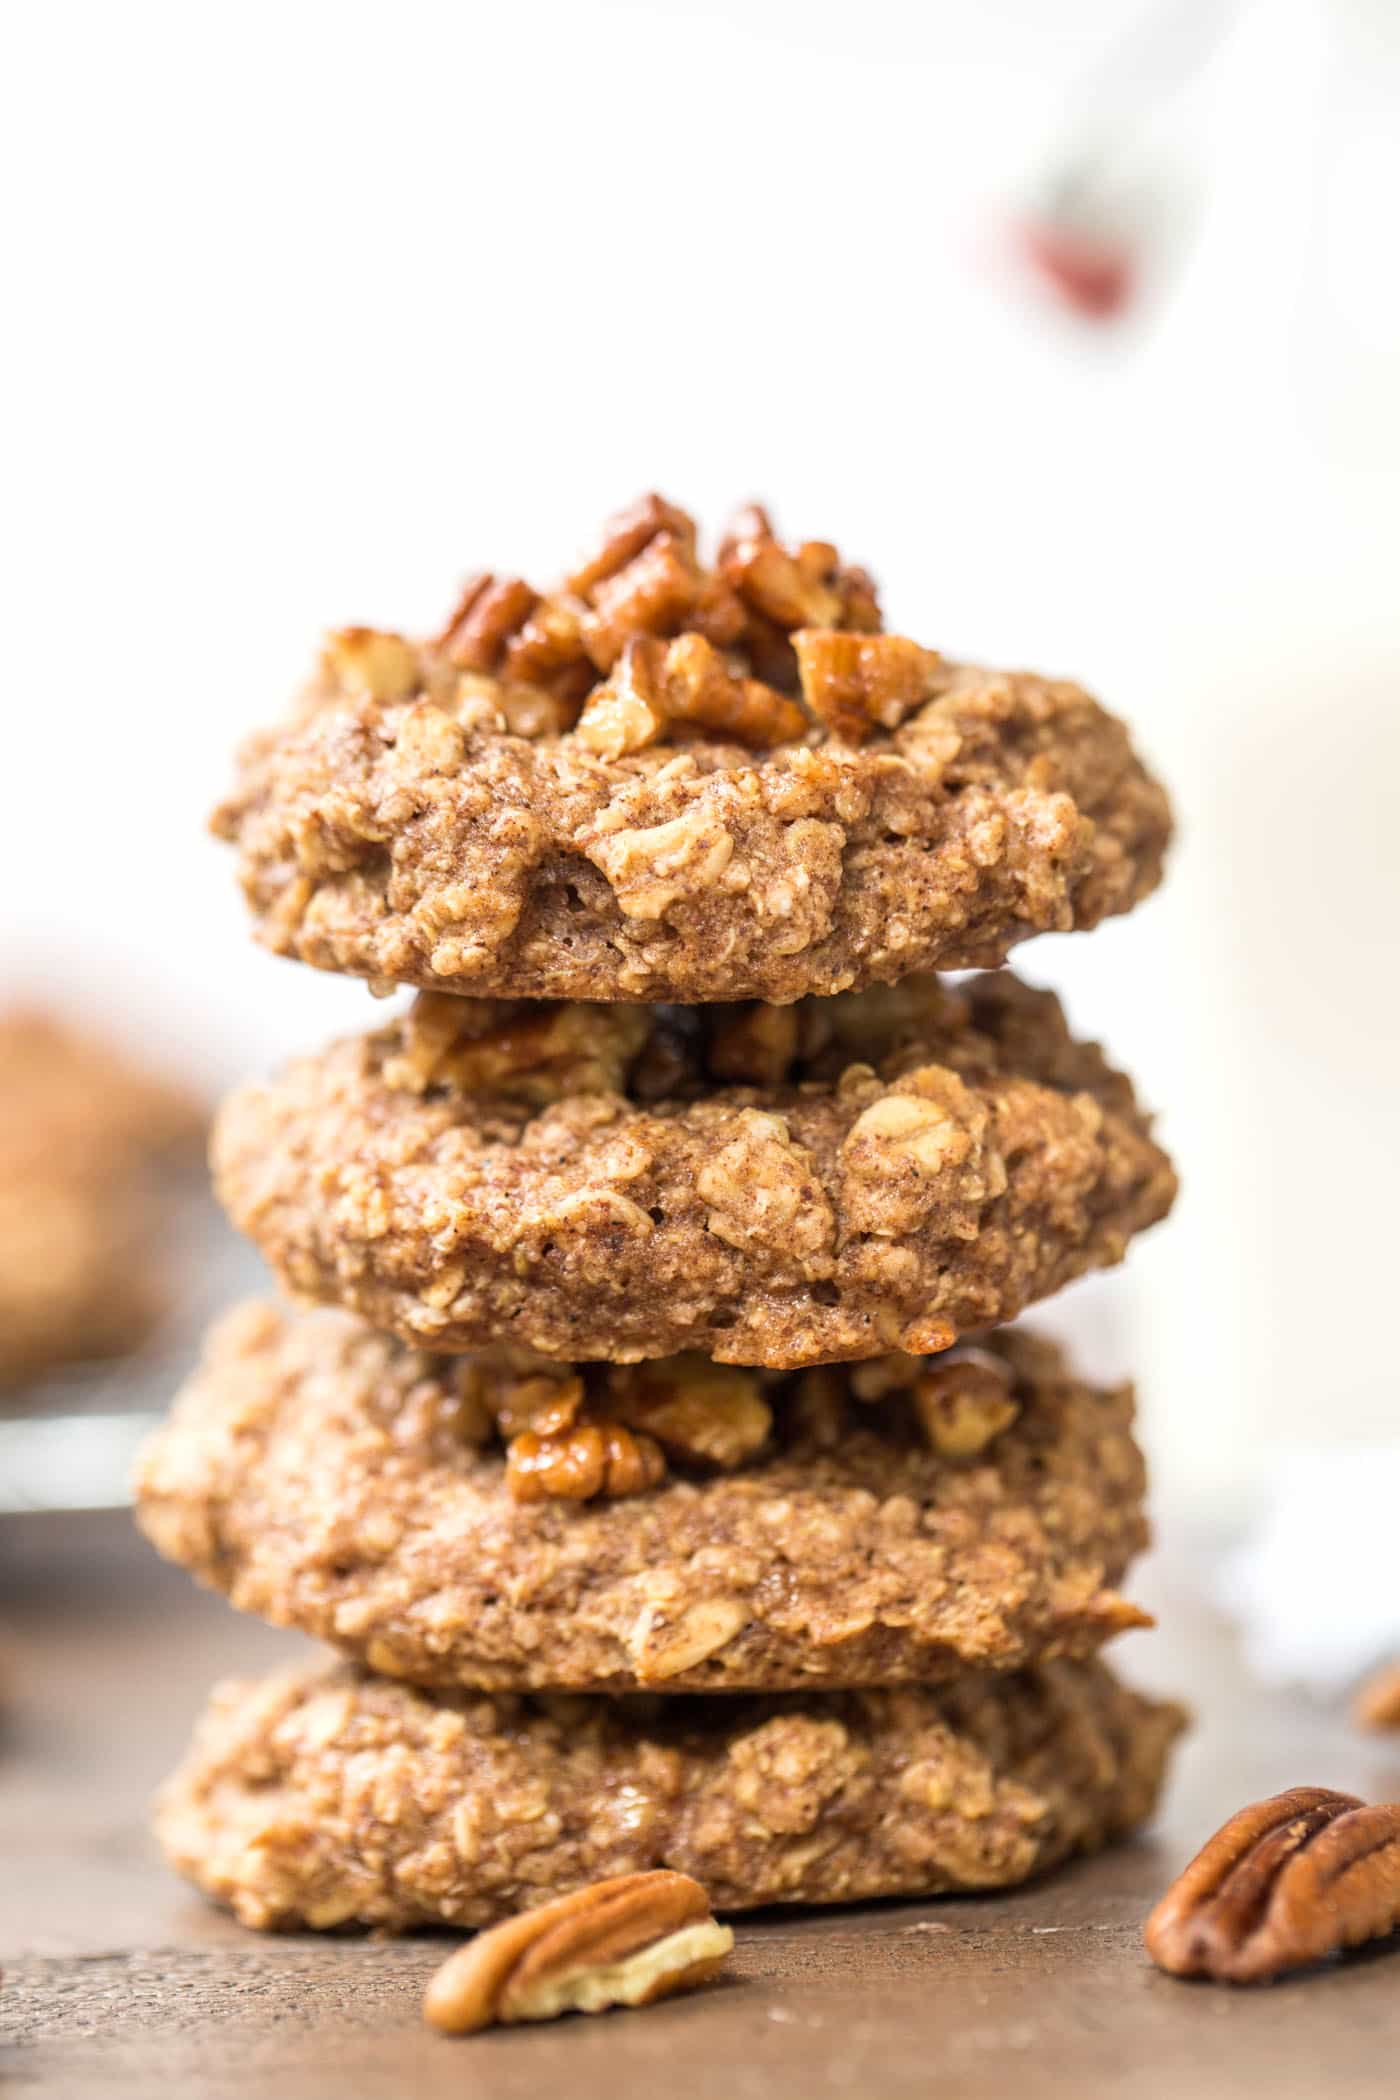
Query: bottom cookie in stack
[[541, 1548], [334, 1797]]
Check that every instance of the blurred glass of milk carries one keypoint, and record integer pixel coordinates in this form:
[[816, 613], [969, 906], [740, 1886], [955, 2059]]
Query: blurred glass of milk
[[1287, 932], [1251, 585]]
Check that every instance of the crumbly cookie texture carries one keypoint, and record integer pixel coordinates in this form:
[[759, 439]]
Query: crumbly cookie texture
[[611, 1182], [672, 782], [79, 1128], [321, 1476], [324, 1798]]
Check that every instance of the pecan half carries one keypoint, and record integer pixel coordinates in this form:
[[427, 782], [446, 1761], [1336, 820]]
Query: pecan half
[[625, 1941], [1284, 1884]]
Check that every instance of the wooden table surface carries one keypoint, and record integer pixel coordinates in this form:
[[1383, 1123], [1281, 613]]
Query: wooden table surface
[[118, 1979]]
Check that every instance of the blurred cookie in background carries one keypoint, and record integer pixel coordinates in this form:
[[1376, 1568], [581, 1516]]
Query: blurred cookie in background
[[90, 1145]]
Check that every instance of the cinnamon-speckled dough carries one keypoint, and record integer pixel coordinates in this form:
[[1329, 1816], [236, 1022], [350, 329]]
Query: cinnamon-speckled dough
[[324, 1797], [940, 1160], [315, 1472], [405, 840]]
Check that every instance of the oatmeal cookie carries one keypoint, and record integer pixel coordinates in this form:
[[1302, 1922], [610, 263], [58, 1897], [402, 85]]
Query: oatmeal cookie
[[78, 1279], [772, 1185], [669, 782], [80, 1127], [325, 1477], [324, 1797]]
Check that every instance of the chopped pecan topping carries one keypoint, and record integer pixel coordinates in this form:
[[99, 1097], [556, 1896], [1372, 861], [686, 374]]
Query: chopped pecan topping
[[628, 710], [523, 1051], [658, 685], [625, 1941], [548, 651], [730, 671], [578, 1432], [701, 690], [542, 1405], [625, 535], [1286, 1882], [490, 610], [757, 1047], [699, 1412], [366, 661], [859, 682], [878, 1376], [591, 1458], [776, 584], [963, 1406], [651, 596], [807, 587], [534, 711], [563, 1440], [816, 1407]]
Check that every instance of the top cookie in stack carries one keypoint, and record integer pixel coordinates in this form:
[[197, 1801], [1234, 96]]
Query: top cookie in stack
[[665, 781]]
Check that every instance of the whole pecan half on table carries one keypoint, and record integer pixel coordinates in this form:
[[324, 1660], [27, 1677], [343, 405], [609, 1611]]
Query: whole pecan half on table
[[1286, 1883], [625, 1941]]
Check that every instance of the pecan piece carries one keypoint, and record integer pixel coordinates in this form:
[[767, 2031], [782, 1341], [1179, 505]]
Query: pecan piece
[[628, 711], [655, 684], [489, 610], [805, 587], [653, 595], [859, 682], [543, 1405], [700, 1412], [548, 651], [370, 663], [625, 535], [963, 1406], [1377, 1703], [625, 1941], [530, 1050], [1285, 1883], [758, 1046], [700, 688], [775, 583], [583, 1460]]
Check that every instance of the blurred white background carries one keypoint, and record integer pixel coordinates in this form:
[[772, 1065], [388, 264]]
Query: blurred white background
[[312, 308]]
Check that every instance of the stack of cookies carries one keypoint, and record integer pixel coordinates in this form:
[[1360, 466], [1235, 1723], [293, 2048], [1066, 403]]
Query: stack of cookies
[[663, 1472]]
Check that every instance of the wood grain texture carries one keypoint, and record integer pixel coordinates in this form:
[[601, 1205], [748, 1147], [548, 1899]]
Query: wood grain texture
[[119, 1981]]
